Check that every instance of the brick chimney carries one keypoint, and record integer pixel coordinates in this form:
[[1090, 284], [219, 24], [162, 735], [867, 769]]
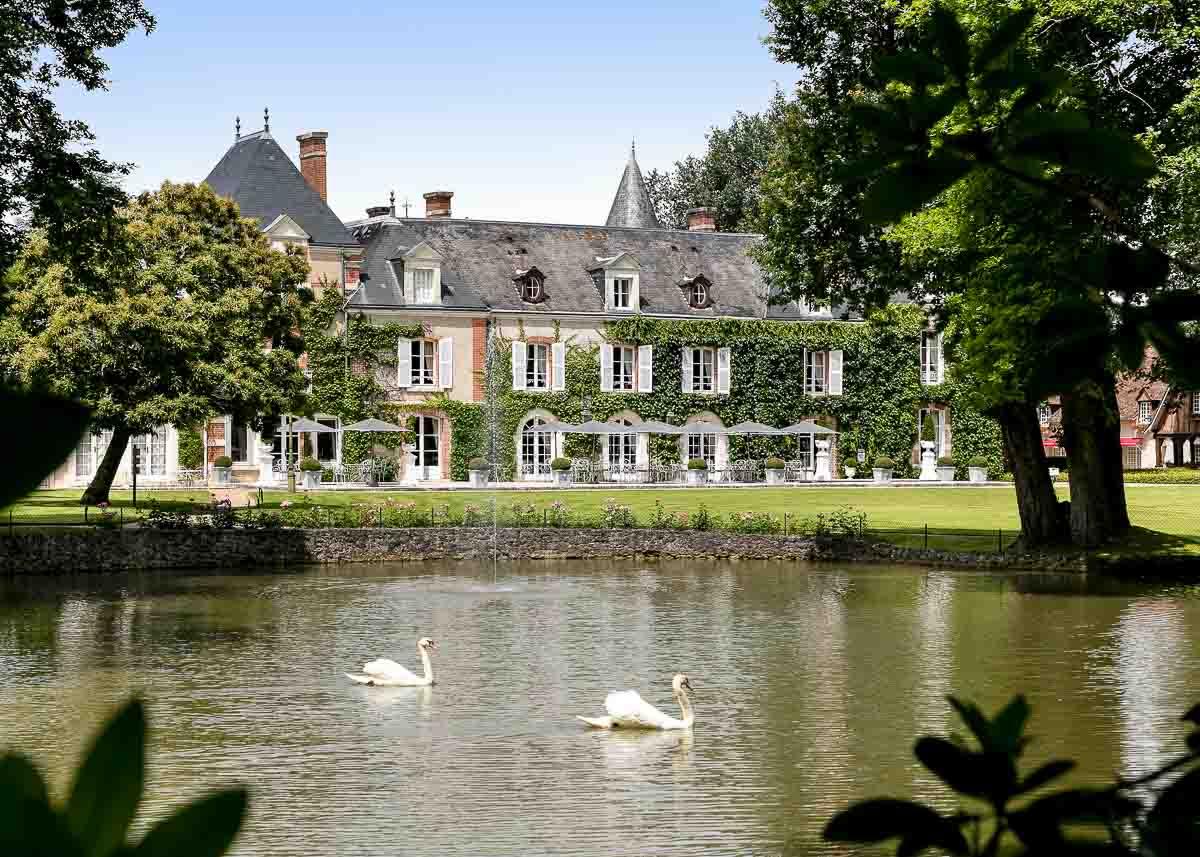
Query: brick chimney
[[437, 203], [312, 160], [702, 220]]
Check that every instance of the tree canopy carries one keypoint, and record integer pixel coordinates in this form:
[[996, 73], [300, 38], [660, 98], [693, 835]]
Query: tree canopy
[[195, 315]]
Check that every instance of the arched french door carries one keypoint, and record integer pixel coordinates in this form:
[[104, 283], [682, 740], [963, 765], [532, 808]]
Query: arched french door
[[427, 443], [537, 451]]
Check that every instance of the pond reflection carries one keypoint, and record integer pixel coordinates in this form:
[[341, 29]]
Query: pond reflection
[[811, 684]]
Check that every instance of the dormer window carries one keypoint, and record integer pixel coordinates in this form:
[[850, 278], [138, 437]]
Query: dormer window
[[531, 285], [622, 293], [422, 267], [422, 285], [696, 291]]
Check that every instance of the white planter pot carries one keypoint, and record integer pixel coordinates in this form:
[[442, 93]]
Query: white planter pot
[[850, 471], [478, 478], [222, 475], [881, 474], [945, 474], [310, 480], [978, 474], [562, 478], [697, 477], [774, 477]]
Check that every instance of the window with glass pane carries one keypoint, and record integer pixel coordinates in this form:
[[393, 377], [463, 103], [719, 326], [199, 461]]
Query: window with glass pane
[[622, 448], [931, 358], [703, 446], [90, 451], [814, 372], [699, 295], [1132, 456], [703, 361], [623, 367], [536, 375], [804, 450], [1196, 404], [152, 453], [622, 292], [424, 363], [239, 443], [937, 427], [532, 289], [426, 437], [1145, 412], [536, 447], [423, 285], [1044, 414]]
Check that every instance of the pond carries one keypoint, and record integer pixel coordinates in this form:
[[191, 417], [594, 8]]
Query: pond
[[811, 683]]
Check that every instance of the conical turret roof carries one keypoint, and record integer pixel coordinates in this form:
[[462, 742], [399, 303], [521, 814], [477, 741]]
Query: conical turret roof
[[631, 206]]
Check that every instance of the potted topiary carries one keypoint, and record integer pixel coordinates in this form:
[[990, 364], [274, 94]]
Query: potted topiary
[[883, 469], [945, 469], [222, 468], [774, 469], [561, 468], [697, 471], [978, 469], [478, 469], [310, 472]]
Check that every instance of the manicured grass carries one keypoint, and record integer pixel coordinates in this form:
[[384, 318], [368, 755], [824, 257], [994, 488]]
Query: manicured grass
[[1168, 515]]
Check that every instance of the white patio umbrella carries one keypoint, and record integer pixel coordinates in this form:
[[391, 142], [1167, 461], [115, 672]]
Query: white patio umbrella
[[655, 427], [372, 424], [594, 427], [807, 427], [704, 428], [302, 425], [754, 428]]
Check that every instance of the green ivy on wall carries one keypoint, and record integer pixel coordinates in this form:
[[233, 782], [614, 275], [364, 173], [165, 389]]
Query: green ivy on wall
[[191, 449], [877, 412]]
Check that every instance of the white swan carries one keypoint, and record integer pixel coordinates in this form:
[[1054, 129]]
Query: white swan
[[627, 710], [385, 673]]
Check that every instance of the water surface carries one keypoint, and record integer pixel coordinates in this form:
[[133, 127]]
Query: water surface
[[812, 683]]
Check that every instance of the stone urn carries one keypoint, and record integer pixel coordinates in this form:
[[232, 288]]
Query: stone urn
[[310, 480], [850, 472], [977, 474], [945, 472], [697, 477], [882, 472], [478, 478], [928, 462], [562, 478], [774, 475], [823, 473], [267, 475]]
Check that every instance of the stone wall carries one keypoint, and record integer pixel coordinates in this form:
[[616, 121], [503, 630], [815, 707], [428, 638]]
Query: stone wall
[[134, 549]]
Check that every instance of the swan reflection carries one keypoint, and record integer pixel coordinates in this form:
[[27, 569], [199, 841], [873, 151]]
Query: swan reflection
[[631, 750]]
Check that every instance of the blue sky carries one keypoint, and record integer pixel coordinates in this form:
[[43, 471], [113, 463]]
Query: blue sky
[[525, 110]]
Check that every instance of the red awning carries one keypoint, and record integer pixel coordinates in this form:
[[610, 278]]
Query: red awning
[[1049, 443], [1131, 441]]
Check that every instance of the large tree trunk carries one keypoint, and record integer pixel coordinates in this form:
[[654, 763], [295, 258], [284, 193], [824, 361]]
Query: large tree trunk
[[106, 472], [1092, 436], [1041, 523]]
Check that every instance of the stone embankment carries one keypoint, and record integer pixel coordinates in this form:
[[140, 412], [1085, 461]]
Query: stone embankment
[[146, 549]]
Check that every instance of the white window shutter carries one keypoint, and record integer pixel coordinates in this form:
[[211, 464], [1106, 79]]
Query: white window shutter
[[518, 365], [835, 372], [635, 303], [558, 354], [404, 363], [606, 367], [645, 368], [724, 360], [446, 362], [643, 451], [941, 361], [410, 289], [687, 370]]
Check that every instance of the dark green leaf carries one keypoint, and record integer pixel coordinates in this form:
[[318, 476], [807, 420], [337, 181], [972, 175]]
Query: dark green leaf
[[1174, 306], [1047, 84], [1174, 821], [1044, 121], [1097, 152], [20, 779], [1045, 774], [204, 828], [974, 720], [903, 189], [1009, 724], [1006, 36], [928, 110], [911, 67], [108, 785], [882, 121], [1193, 741], [882, 818], [958, 768], [57, 426], [1192, 715], [866, 167], [951, 41]]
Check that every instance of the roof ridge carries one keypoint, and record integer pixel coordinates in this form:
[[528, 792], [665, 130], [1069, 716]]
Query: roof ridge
[[393, 220]]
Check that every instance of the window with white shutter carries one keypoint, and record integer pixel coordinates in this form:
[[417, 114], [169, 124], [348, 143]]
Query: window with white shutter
[[537, 366], [645, 368], [836, 362], [404, 363], [931, 358], [816, 378], [700, 370], [623, 357], [558, 377], [686, 370], [518, 365], [606, 367], [423, 362], [446, 362], [724, 365]]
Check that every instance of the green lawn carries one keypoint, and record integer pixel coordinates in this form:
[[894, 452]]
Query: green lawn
[[966, 518]]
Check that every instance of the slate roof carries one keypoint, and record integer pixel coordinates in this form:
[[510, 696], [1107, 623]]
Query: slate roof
[[480, 259], [631, 206], [259, 176]]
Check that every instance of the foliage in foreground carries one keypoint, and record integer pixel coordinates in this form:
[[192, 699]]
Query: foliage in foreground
[[1155, 815], [95, 820]]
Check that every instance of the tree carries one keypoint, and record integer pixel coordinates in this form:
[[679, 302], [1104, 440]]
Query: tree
[[49, 179], [169, 330], [891, 90], [727, 177]]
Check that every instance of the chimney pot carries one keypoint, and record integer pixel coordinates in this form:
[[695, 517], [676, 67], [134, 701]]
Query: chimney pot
[[702, 219], [313, 159], [437, 203]]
